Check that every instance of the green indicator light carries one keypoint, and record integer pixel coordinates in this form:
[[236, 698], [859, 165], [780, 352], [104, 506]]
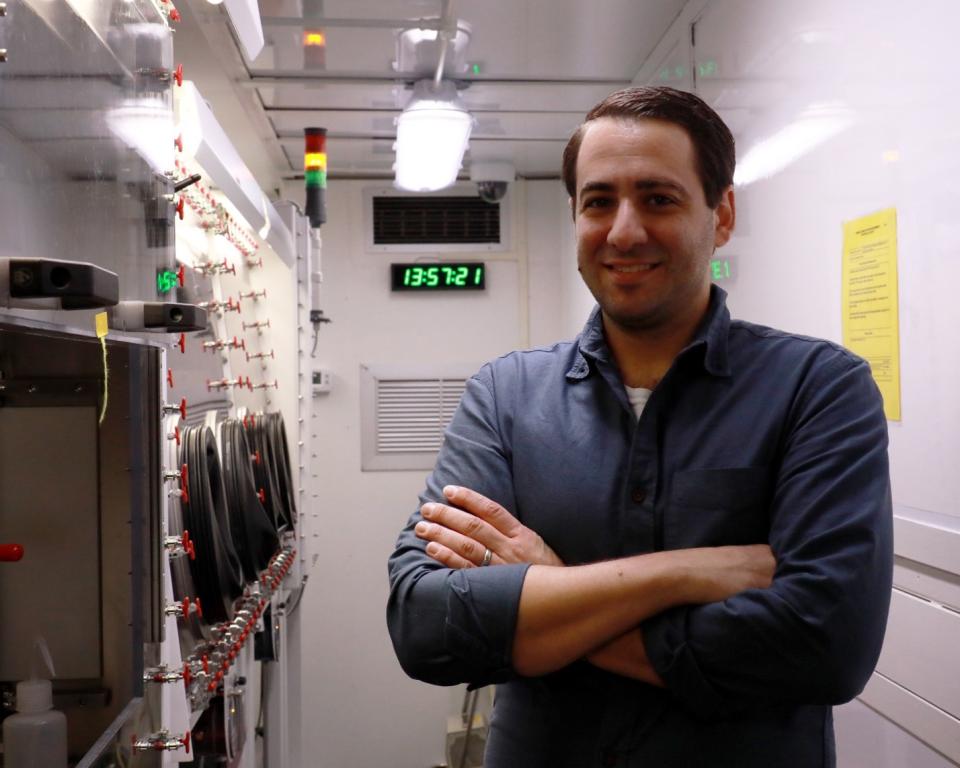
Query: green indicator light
[[316, 178], [475, 69], [166, 281], [707, 68]]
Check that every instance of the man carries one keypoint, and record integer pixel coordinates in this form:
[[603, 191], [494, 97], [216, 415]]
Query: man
[[686, 519]]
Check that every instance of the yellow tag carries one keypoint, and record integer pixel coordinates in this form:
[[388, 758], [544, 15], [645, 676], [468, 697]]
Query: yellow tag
[[101, 320]]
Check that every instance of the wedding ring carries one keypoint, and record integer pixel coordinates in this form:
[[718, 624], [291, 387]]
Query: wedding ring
[[487, 557]]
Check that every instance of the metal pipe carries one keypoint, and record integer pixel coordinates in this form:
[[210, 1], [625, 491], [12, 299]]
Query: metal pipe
[[444, 36]]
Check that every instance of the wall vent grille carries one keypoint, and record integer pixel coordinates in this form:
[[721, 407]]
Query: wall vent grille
[[404, 413], [429, 220], [412, 413]]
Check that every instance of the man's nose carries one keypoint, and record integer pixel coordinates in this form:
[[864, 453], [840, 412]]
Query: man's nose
[[627, 229]]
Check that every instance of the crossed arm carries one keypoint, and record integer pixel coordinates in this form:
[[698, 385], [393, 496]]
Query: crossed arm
[[590, 611]]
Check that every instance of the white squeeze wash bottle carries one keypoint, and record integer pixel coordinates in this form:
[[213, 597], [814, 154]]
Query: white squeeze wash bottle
[[37, 735]]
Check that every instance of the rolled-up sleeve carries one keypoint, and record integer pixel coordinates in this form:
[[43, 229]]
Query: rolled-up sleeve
[[455, 626], [815, 635]]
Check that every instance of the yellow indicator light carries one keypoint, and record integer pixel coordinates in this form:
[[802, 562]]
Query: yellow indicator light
[[314, 38], [315, 161]]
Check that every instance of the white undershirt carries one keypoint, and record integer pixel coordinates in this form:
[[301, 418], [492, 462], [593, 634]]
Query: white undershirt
[[638, 397]]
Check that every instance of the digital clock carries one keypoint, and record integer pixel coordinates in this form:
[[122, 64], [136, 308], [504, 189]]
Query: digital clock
[[454, 276]]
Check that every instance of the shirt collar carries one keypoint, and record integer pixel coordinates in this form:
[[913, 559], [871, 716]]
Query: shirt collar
[[712, 337]]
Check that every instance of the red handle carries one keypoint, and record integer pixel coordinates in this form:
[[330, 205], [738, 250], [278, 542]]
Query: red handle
[[11, 553], [184, 496], [175, 16], [261, 494], [179, 208], [182, 343], [178, 74], [183, 408], [181, 275], [178, 142], [170, 378]]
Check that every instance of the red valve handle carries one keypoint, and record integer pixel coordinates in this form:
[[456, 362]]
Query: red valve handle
[[182, 343], [249, 384], [188, 546], [183, 408], [199, 607], [178, 74], [256, 457], [175, 15], [186, 607], [184, 496], [175, 435], [170, 378], [261, 494], [205, 663], [178, 142], [11, 553], [181, 275], [187, 675], [186, 742], [179, 208]]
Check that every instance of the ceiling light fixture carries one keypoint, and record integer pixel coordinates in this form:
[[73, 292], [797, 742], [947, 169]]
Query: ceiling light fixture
[[432, 135]]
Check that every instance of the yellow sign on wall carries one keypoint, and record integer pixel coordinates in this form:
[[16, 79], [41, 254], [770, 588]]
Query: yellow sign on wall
[[871, 317]]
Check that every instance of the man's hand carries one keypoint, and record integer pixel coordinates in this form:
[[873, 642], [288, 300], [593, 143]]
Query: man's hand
[[460, 533]]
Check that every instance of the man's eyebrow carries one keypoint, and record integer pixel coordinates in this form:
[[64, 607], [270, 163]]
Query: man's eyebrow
[[642, 184]]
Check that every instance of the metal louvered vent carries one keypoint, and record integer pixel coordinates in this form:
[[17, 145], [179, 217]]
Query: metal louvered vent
[[404, 414], [412, 413], [429, 220]]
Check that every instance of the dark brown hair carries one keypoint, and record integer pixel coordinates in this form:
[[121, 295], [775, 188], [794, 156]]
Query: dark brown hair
[[712, 141]]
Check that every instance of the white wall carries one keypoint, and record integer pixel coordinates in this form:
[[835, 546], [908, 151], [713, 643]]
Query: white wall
[[888, 65], [359, 709]]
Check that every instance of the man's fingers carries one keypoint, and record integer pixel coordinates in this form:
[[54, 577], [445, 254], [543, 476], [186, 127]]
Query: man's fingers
[[464, 547], [484, 508], [465, 523], [447, 556]]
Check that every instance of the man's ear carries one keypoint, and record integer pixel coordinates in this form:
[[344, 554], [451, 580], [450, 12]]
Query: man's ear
[[724, 218]]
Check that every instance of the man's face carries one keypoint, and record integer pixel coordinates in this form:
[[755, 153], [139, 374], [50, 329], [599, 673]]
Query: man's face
[[644, 231]]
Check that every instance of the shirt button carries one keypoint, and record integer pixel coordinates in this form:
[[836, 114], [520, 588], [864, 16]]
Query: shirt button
[[638, 495]]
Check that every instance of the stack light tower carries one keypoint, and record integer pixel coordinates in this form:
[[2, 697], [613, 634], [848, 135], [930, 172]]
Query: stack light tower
[[315, 174]]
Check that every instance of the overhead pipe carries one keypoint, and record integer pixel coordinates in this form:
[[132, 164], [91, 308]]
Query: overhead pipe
[[447, 31]]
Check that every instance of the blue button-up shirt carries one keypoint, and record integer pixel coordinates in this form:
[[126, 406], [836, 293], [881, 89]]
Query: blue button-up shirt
[[753, 435]]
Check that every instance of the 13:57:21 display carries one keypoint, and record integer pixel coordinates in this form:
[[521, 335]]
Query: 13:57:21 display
[[460, 276]]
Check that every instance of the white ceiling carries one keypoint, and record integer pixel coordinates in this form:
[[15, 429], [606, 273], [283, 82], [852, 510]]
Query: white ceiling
[[542, 65]]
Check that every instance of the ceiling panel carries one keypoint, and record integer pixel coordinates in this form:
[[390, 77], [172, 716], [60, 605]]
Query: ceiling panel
[[536, 66], [477, 96], [375, 157], [517, 125]]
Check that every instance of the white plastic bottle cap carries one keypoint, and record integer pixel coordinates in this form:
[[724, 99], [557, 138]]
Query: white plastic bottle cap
[[34, 696]]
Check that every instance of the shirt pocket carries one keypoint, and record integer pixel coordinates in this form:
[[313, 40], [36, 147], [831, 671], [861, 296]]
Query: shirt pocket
[[716, 507]]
